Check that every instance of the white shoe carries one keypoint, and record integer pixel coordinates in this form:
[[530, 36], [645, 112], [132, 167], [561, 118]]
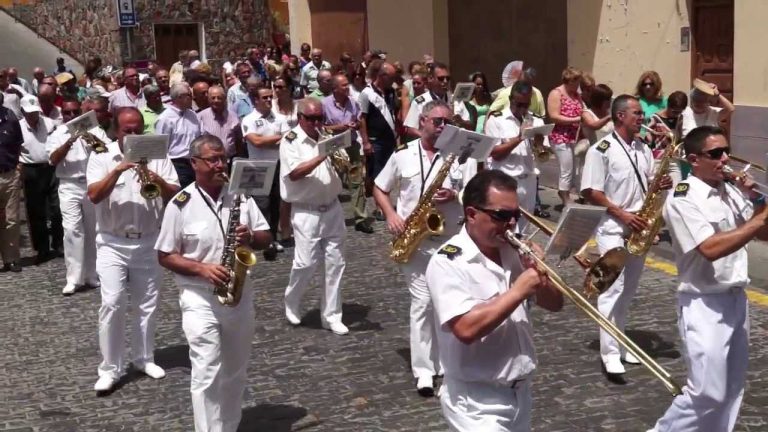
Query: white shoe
[[613, 366], [336, 327], [69, 289], [425, 386], [152, 370], [292, 317], [105, 383], [630, 358], [278, 247]]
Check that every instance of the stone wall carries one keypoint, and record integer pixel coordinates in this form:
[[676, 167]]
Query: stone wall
[[85, 28]]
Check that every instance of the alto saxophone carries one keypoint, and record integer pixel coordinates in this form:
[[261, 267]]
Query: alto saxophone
[[236, 258], [424, 219], [149, 190], [640, 242]]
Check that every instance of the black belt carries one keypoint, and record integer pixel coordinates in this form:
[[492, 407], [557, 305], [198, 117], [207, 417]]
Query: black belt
[[36, 165]]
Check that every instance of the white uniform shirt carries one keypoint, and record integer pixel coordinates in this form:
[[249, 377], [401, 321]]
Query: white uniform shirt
[[256, 123], [520, 160], [404, 167], [608, 169], [75, 163], [191, 229], [309, 74], [55, 115], [321, 186], [125, 210], [462, 280], [695, 212], [35, 140], [418, 104], [691, 120]]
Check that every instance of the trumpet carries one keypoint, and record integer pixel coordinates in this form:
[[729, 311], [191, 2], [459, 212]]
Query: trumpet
[[96, 145], [601, 274], [595, 315], [149, 190], [758, 187]]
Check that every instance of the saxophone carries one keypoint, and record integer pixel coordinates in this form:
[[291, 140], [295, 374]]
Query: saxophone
[[424, 219], [237, 260], [641, 241]]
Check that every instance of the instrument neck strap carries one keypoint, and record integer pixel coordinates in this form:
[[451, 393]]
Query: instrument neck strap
[[632, 162], [421, 165], [215, 213]]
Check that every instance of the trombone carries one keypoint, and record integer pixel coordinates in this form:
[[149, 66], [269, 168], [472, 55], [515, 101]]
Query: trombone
[[602, 273], [595, 315]]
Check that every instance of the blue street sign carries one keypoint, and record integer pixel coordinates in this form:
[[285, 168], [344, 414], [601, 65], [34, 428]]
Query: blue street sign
[[126, 14]]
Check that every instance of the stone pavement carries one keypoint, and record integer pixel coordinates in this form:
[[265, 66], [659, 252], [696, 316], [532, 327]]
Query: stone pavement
[[309, 379]]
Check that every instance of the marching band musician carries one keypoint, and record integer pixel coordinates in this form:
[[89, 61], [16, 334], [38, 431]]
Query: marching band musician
[[69, 154], [438, 82], [617, 173], [127, 225], [479, 285], [513, 154], [189, 245], [310, 183], [711, 221], [415, 167]]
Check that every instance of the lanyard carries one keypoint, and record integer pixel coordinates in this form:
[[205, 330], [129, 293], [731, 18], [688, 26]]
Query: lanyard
[[215, 213], [421, 164], [633, 162]]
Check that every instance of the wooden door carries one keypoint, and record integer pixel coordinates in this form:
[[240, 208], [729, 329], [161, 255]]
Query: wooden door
[[338, 26], [172, 38], [712, 53]]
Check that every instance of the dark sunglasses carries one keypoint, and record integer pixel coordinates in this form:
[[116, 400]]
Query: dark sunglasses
[[439, 121], [647, 84], [522, 104], [70, 112], [443, 78], [717, 153], [502, 215], [312, 118], [637, 113]]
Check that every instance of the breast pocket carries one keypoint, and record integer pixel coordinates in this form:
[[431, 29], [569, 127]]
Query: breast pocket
[[198, 236]]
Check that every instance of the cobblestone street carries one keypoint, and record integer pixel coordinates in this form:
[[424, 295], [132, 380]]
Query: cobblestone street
[[309, 379]]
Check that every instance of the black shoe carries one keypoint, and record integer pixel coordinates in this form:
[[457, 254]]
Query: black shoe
[[270, 253], [364, 227], [540, 212], [379, 216], [43, 257], [288, 243], [58, 252], [15, 267]]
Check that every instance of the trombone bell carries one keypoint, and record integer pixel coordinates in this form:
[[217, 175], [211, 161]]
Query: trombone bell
[[604, 272]]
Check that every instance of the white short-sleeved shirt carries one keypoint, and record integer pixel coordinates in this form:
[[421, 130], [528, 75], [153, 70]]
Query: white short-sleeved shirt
[[691, 120], [695, 212], [320, 187], [125, 211], [418, 104], [75, 163], [309, 74], [414, 172], [520, 160], [458, 281], [261, 125], [35, 140], [190, 228], [608, 169]]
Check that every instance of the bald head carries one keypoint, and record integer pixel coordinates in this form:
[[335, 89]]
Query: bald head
[[38, 73], [317, 57], [46, 91], [217, 99]]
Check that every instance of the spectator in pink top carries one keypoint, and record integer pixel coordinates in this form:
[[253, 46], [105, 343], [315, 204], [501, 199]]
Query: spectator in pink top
[[564, 106]]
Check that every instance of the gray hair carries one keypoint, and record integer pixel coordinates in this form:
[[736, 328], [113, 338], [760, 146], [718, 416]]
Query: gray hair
[[179, 88], [621, 104], [308, 102], [216, 87], [434, 104], [253, 80], [150, 90], [212, 141]]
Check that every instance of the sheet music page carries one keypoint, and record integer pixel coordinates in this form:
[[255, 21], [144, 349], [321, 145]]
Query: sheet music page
[[83, 122], [456, 140], [533, 131], [463, 91], [147, 147], [575, 227], [336, 142], [252, 177]]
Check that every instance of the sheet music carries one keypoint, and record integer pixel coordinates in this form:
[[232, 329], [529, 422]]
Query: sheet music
[[456, 140], [463, 91], [533, 131], [575, 227], [83, 122], [252, 177], [336, 142], [138, 147]]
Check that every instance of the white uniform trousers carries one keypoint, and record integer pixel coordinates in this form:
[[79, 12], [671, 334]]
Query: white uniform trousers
[[714, 329], [219, 340], [526, 198], [126, 265], [319, 233], [473, 406], [424, 356], [614, 302], [79, 222]]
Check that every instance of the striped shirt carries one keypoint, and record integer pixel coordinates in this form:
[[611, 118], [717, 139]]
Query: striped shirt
[[224, 126]]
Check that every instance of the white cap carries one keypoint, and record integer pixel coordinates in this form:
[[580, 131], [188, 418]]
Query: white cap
[[30, 104]]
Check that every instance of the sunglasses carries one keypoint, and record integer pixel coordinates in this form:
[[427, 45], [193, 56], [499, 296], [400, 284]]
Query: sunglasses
[[647, 84], [637, 113], [439, 121], [717, 153], [522, 104], [70, 112], [312, 118], [443, 78], [502, 215]]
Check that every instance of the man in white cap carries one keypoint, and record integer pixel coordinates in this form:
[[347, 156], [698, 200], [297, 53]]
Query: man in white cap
[[40, 182]]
